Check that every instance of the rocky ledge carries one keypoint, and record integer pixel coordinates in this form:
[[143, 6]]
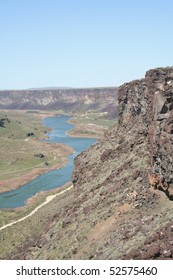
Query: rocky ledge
[[152, 100], [132, 164]]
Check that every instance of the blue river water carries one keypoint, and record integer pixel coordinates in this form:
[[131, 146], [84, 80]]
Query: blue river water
[[55, 178]]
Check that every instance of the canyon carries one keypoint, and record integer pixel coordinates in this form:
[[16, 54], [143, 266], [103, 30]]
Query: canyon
[[121, 203], [68, 100]]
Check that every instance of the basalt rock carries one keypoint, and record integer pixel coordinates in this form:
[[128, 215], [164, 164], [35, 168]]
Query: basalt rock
[[160, 123], [3, 121], [148, 105], [157, 246], [133, 164]]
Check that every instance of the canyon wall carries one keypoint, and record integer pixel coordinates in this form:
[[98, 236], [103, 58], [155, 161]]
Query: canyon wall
[[147, 104], [160, 121], [132, 167], [81, 100]]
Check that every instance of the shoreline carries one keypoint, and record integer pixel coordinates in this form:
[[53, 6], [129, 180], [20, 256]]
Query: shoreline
[[46, 114], [11, 184], [73, 133], [18, 182], [45, 193], [48, 199], [78, 135], [8, 185]]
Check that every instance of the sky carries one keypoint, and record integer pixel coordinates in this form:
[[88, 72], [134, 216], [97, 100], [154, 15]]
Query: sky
[[82, 43]]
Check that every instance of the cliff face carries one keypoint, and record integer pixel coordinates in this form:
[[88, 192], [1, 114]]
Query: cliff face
[[101, 99], [148, 104], [160, 122], [132, 164], [118, 210], [145, 110]]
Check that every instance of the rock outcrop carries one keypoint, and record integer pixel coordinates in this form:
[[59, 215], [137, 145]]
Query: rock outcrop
[[3, 121], [160, 125], [152, 100], [139, 159]]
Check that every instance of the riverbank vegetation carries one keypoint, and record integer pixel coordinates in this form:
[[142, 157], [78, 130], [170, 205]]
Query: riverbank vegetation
[[22, 155], [90, 124]]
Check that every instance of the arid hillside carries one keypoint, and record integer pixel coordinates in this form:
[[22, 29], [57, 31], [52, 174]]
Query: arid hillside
[[68, 100], [121, 204]]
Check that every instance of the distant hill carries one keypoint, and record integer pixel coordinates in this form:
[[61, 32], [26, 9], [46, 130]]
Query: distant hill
[[49, 88], [67, 99]]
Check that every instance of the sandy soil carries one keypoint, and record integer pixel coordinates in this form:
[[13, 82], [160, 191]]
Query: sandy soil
[[42, 115], [89, 127], [72, 133]]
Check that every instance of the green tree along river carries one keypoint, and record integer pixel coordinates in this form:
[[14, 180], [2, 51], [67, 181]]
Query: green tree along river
[[55, 178]]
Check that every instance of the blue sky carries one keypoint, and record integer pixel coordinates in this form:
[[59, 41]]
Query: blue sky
[[82, 43]]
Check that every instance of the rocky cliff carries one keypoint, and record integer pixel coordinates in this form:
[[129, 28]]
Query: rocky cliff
[[131, 165], [99, 99], [150, 102], [160, 126], [121, 206]]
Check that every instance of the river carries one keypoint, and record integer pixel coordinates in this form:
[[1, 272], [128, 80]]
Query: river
[[53, 179]]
